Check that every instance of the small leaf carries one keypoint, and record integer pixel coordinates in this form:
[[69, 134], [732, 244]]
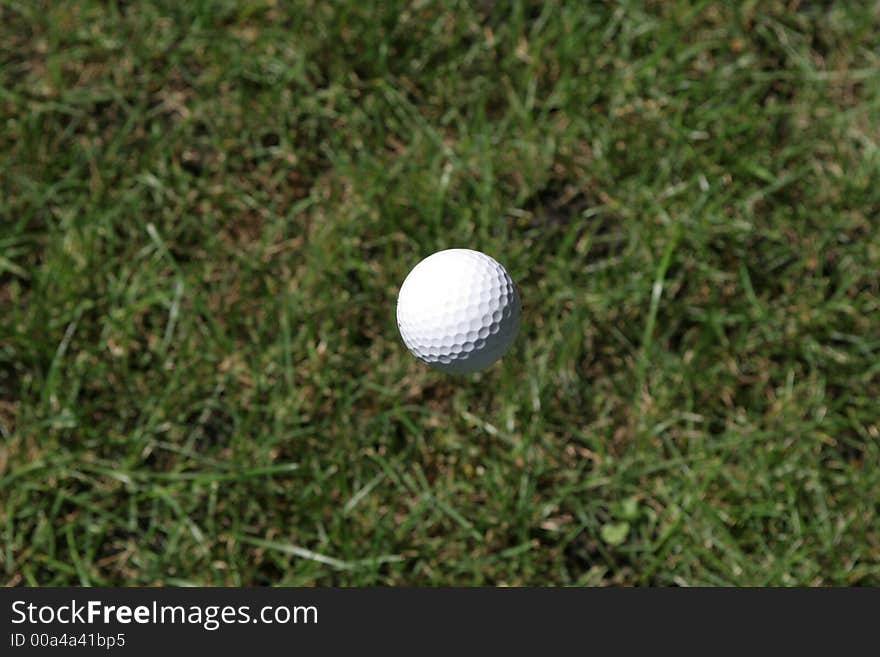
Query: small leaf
[[614, 533], [629, 509]]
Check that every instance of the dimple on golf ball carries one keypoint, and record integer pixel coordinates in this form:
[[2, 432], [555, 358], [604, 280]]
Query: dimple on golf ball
[[458, 311]]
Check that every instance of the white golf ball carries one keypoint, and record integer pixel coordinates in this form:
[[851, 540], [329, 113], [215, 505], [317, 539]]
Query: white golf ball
[[458, 311]]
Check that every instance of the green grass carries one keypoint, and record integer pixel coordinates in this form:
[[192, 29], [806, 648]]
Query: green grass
[[206, 209]]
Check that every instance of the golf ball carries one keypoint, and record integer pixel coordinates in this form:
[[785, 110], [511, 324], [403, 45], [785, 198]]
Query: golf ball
[[458, 311]]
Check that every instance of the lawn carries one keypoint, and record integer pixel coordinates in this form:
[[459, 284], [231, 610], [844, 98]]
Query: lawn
[[207, 209]]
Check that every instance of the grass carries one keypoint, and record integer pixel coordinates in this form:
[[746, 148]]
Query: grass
[[206, 209]]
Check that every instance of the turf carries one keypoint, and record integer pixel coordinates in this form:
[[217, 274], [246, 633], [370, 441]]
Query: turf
[[206, 209]]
